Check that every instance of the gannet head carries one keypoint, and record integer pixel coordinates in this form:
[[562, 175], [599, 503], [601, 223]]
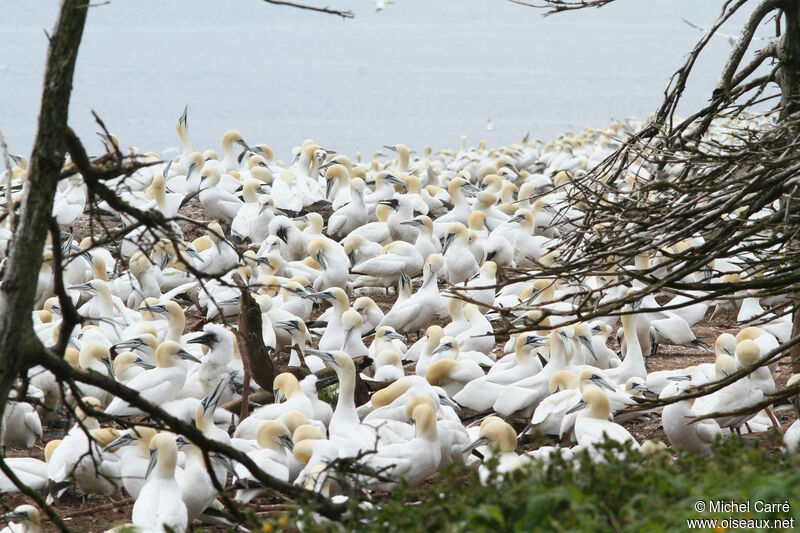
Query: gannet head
[[447, 344], [273, 434], [477, 220], [563, 380], [169, 353], [441, 369], [209, 177], [725, 343], [285, 386], [590, 377], [28, 515], [230, 137], [748, 352], [751, 333], [597, 401], [95, 351]]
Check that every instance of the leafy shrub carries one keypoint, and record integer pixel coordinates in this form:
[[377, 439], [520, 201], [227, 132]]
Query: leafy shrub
[[626, 492]]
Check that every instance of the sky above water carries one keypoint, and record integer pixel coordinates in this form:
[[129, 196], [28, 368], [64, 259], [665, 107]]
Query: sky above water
[[419, 72]]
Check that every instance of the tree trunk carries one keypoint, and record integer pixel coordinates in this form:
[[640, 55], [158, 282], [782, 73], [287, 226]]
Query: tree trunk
[[789, 55], [17, 339], [788, 78]]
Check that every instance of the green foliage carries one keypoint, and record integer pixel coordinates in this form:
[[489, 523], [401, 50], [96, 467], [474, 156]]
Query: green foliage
[[626, 492], [330, 394]]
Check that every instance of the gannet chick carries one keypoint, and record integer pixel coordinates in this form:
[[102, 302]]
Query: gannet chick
[[215, 364]]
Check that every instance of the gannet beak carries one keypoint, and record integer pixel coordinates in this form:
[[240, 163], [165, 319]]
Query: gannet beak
[[534, 341], [152, 464], [158, 308], [329, 187], [321, 260], [470, 187], [144, 364], [519, 320], [324, 295], [129, 344], [474, 444], [602, 383], [412, 222], [446, 400], [207, 338], [448, 240], [84, 287], [577, 407], [443, 347], [393, 335], [107, 363], [286, 442], [225, 462], [124, 440], [325, 356], [588, 343], [183, 354], [211, 401], [165, 261], [326, 382], [287, 325], [277, 395], [352, 257]]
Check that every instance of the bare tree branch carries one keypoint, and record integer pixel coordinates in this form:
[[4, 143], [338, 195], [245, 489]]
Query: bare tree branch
[[344, 14]]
